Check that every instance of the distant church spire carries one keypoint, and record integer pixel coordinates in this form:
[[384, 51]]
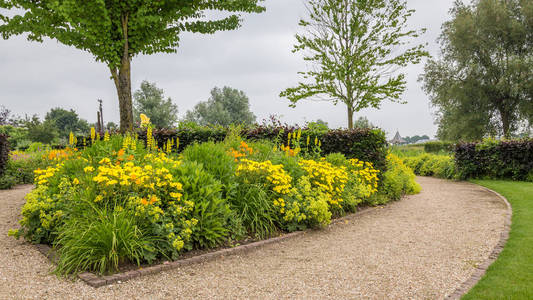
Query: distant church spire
[[397, 140]]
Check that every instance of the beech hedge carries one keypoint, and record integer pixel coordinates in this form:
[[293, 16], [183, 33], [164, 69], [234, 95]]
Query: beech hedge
[[4, 153], [495, 159]]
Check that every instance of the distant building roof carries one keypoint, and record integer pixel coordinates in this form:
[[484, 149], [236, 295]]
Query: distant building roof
[[397, 139]]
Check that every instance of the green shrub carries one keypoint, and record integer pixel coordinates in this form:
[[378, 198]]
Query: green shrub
[[7, 181], [17, 136], [306, 207], [337, 159], [441, 166], [210, 209], [214, 159], [398, 180]]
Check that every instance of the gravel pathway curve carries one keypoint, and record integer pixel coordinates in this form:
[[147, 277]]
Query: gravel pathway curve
[[422, 247]]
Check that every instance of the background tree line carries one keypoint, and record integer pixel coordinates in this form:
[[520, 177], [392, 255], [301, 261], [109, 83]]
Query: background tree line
[[482, 83]]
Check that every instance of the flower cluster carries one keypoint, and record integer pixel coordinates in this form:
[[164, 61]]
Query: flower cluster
[[365, 175], [243, 151], [275, 175], [59, 155], [42, 176], [290, 152], [326, 177]]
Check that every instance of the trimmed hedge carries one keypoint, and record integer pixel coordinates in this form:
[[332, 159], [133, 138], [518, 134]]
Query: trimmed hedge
[[364, 144], [438, 146], [4, 153], [495, 159]]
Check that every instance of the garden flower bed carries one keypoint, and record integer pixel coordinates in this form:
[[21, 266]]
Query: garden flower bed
[[123, 201]]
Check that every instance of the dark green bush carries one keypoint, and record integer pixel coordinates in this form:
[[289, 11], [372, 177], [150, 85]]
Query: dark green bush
[[495, 159], [4, 153]]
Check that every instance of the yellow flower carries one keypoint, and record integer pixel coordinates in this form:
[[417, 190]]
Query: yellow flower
[[88, 169], [144, 120], [75, 181], [93, 134], [71, 139]]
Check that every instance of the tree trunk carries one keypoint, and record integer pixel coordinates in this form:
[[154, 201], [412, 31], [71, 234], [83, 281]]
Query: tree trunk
[[122, 79], [506, 123], [350, 117], [123, 85]]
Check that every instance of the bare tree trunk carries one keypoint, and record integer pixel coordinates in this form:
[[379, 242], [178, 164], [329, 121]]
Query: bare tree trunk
[[350, 117], [124, 97], [122, 79]]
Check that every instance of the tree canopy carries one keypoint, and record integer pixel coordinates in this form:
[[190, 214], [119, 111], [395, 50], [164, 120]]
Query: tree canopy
[[149, 100], [226, 106], [116, 31], [482, 84], [66, 121], [355, 48]]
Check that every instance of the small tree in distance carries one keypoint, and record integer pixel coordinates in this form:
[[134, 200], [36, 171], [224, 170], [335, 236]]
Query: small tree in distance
[[149, 100], [226, 106], [116, 31], [355, 48]]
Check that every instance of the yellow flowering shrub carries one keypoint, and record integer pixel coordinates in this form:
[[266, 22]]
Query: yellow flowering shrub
[[128, 178], [327, 178], [273, 176], [365, 176], [304, 207]]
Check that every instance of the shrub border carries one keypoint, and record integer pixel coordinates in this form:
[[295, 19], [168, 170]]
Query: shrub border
[[481, 269], [96, 281]]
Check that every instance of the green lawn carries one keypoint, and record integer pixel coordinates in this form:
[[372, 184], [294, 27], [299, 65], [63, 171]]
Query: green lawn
[[511, 275]]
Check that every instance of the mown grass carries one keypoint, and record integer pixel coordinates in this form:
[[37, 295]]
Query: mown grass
[[511, 275]]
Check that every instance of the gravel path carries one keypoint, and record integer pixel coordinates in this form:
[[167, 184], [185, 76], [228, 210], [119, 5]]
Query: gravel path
[[422, 247]]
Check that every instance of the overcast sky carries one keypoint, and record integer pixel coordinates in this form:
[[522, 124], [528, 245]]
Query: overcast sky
[[256, 58]]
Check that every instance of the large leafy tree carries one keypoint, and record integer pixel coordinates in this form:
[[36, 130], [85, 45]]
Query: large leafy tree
[[66, 121], [483, 82], [226, 106], [355, 49], [150, 100], [115, 31]]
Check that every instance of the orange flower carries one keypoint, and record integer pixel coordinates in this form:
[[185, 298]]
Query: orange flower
[[130, 157], [153, 199], [144, 201]]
